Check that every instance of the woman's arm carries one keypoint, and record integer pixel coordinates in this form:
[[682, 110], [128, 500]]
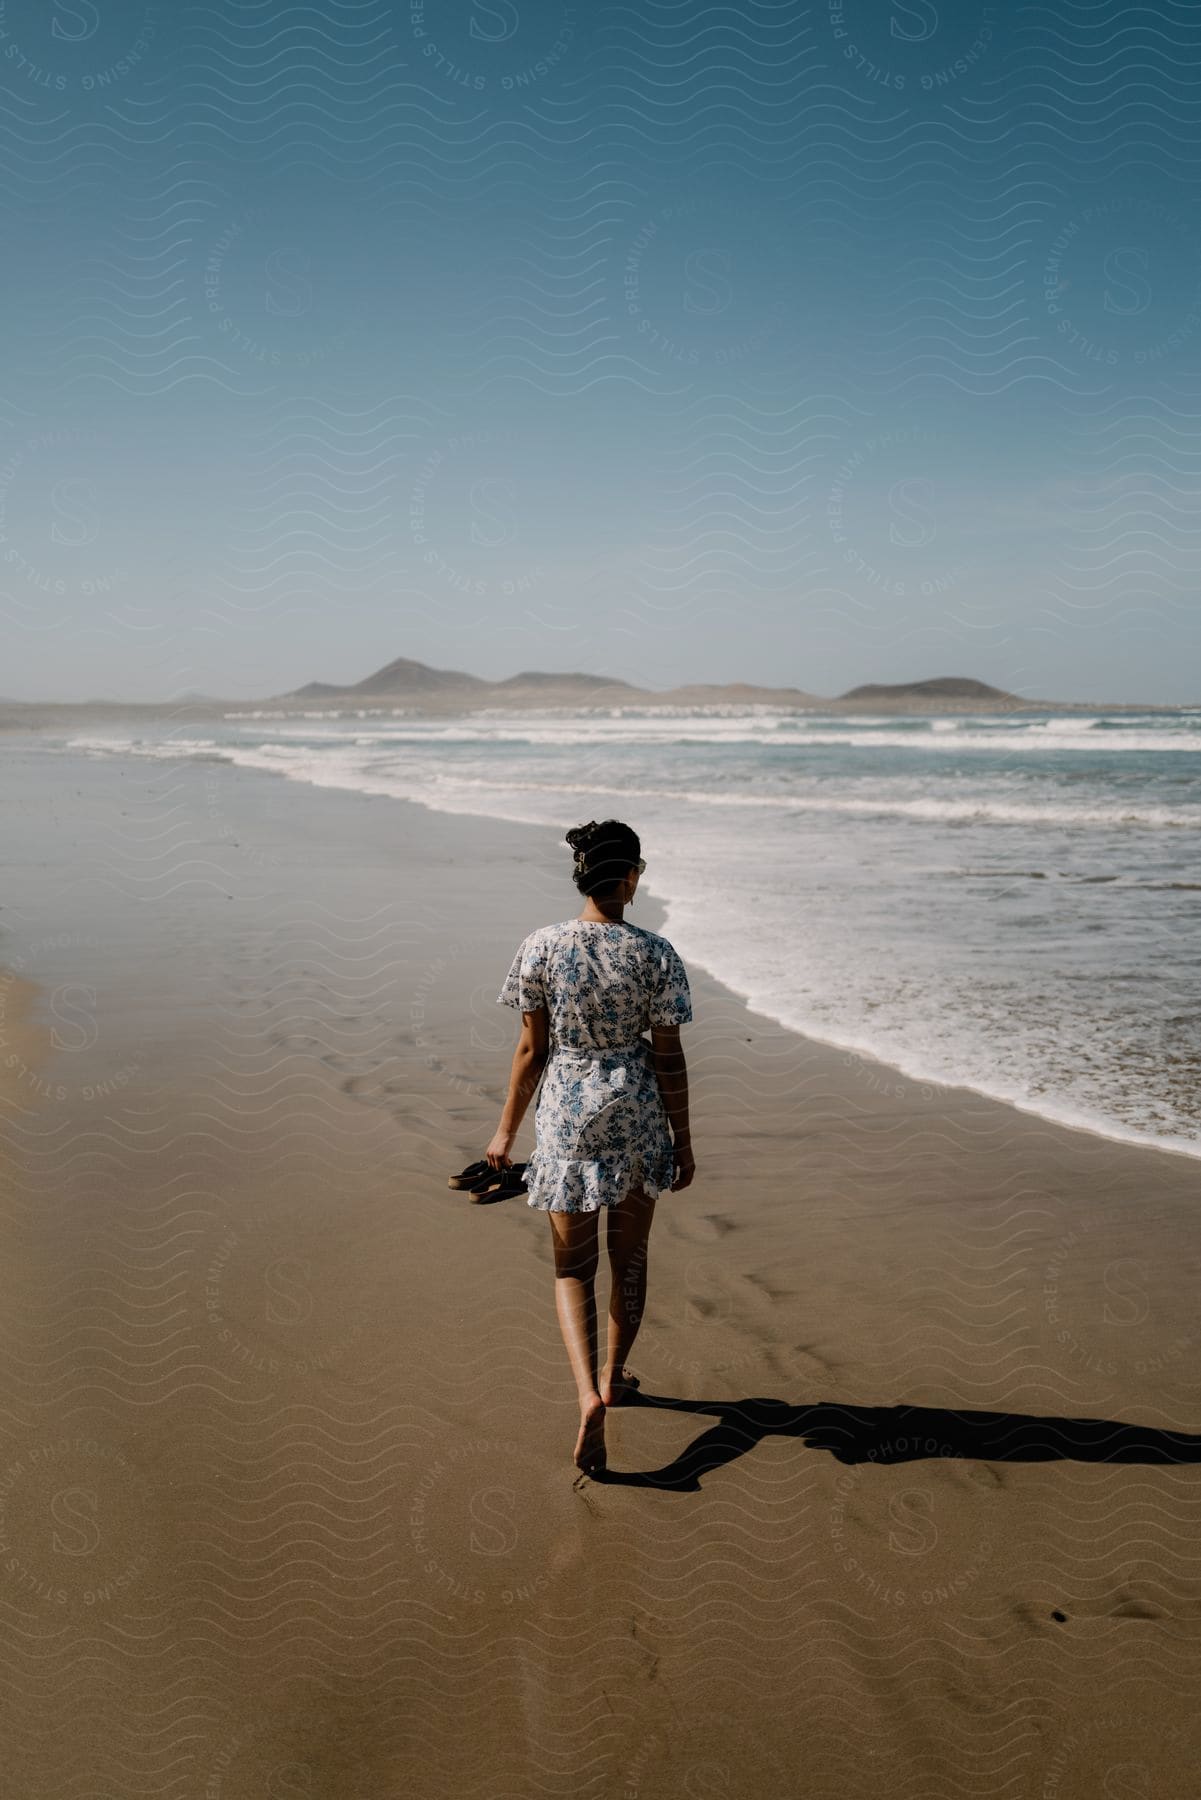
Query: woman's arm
[[529, 1060], [672, 1072]]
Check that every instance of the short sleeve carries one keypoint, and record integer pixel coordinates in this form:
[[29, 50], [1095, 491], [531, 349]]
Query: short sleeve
[[523, 985], [671, 1002]]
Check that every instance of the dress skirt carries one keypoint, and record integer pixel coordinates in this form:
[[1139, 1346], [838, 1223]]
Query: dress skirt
[[600, 1129]]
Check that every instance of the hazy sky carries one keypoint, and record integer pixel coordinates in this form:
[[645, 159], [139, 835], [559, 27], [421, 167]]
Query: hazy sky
[[673, 341]]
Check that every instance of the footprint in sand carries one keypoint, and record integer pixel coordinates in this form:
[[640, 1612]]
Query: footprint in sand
[[706, 1309], [360, 1087], [702, 1228], [765, 1289], [358, 1065], [985, 1476]]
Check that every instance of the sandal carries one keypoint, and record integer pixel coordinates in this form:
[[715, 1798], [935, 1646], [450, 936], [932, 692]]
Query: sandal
[[499, 1184], [473, 1172]]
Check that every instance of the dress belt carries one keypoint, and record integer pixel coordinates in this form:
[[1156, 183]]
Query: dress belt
[[621, 1056]]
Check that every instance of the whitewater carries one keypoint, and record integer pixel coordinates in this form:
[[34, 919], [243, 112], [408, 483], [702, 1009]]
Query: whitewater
[[1007, 903]]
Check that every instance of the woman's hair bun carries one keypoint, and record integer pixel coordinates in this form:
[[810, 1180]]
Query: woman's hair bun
[[605, 852]]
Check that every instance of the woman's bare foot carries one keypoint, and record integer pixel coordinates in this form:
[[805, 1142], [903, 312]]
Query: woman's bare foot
[[617, 1387], [590, 1445]]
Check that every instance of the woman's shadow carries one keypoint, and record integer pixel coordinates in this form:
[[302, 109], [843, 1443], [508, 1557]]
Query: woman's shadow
[[894, 1434]]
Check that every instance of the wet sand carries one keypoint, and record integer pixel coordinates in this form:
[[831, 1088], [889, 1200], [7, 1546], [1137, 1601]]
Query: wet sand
[[286, 1500]]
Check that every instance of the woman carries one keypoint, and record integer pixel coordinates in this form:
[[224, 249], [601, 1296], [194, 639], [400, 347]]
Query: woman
[[587, 989]]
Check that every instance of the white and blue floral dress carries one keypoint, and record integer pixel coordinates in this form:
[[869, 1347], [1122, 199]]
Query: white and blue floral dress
[[600, 1126]]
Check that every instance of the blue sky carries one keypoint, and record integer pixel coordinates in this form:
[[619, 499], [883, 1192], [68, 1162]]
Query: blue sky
[[671, 341]]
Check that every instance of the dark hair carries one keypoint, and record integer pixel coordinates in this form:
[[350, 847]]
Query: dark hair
[[604, 855]]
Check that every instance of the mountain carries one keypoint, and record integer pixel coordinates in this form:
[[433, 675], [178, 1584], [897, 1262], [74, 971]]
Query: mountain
[[420, 688], [534, 677], [406, 680], [396, 680], [446, 693], [406, 677], [736, 693], [941, 687], [451, 690]]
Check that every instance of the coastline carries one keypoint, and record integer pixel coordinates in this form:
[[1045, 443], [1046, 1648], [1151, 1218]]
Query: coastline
[[920, 1067], [324, 1410]]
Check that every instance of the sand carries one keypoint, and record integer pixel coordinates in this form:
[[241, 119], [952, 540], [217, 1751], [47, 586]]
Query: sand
[[286, 1500]]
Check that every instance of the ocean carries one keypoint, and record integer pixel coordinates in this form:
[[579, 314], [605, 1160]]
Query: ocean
[[1007, 903]]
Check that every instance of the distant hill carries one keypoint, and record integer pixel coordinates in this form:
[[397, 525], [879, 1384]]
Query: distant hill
[[406, 677], [447, 693], [737, 693], [533, 677], [941, 687], [415, 681], [443, 690]]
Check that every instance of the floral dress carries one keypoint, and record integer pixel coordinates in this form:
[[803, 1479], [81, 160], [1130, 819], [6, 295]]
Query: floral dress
[[600, 1125]]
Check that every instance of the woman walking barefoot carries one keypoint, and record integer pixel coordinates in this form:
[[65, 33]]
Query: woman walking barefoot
[[587, 989]]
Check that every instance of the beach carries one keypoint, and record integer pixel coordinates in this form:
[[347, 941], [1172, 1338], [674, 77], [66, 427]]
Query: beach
[[911, 1500]]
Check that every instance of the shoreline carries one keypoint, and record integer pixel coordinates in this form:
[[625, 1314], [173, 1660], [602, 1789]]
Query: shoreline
[[1106, 1130], [544, 850]]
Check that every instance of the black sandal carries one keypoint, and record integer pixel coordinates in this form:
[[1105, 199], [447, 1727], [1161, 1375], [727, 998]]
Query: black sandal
[[473, 1172], [499, 1184]]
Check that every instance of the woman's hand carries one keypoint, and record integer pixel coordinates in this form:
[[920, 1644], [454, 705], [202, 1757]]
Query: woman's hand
[[497, 1153], [685, 1167]]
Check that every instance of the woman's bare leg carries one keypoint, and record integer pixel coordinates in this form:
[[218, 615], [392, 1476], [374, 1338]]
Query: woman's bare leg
[[629, 1230], [576, 1253]]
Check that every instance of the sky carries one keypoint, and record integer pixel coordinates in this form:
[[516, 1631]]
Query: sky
[[669, 340]]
